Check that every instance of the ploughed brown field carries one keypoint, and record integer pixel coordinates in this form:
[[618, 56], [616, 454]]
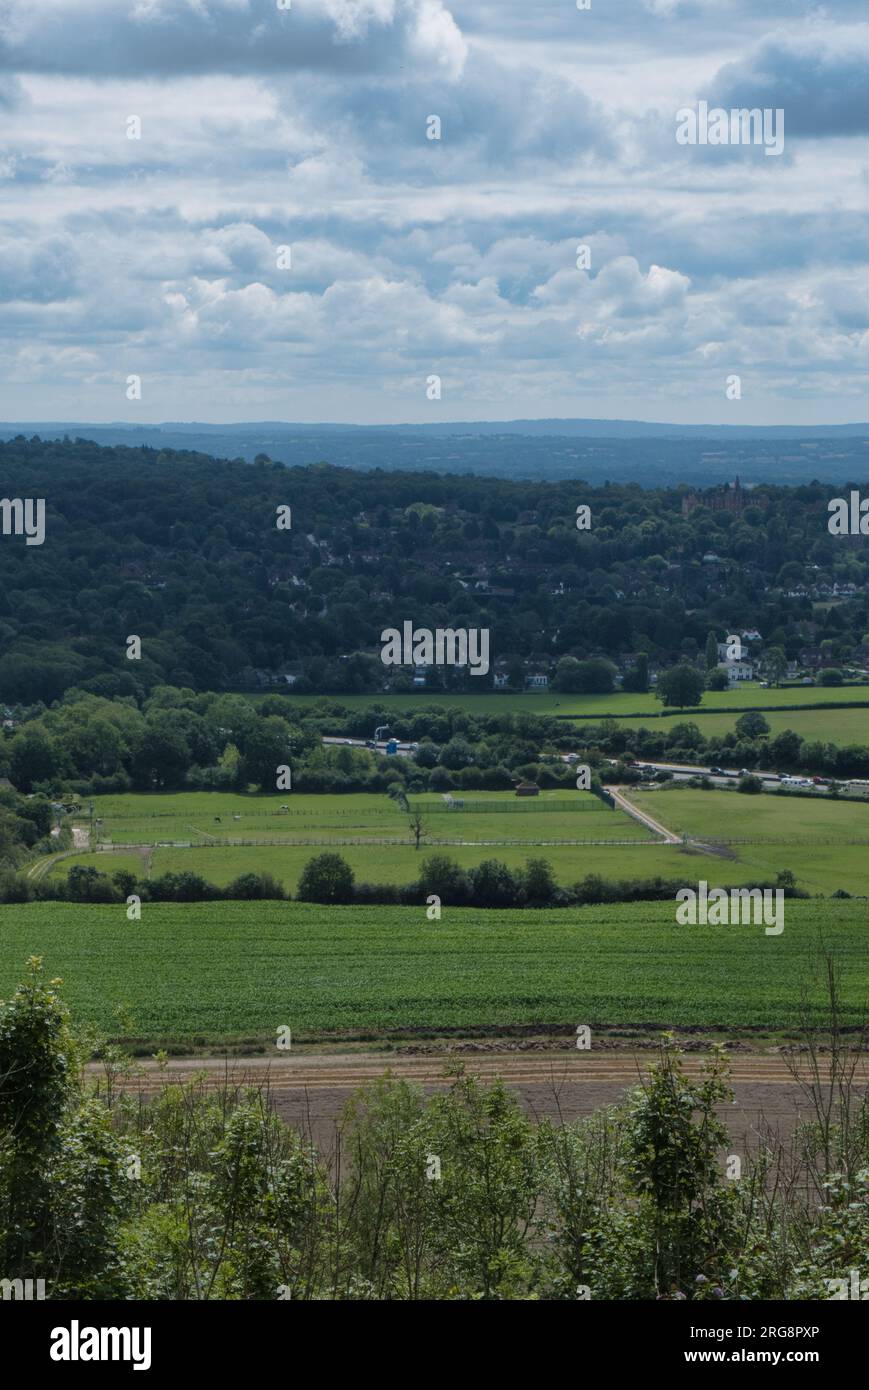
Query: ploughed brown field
[[310, 1090]]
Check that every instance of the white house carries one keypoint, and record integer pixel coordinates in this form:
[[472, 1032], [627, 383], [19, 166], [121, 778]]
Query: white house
[[737, 670], [537, 682]]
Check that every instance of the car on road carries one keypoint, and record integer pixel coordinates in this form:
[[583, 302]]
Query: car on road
[[717, 772]]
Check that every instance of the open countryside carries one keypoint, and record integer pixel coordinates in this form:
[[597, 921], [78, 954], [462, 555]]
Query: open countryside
[[844, 718], [825, 843]]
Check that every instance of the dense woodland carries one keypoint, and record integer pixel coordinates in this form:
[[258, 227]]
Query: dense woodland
[[183, 551]]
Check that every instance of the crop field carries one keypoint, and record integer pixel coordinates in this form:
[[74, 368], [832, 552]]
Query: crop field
[[229, 971]]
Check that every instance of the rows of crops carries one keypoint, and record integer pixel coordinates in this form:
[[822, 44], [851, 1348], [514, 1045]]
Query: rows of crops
[[231, 970]]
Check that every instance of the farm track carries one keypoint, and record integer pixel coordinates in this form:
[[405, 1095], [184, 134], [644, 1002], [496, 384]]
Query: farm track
[[644, 818]]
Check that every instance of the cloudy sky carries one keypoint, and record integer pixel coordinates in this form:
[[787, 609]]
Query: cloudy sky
[[264, 127]]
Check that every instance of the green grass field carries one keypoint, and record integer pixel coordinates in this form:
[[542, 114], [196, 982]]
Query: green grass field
[[230, 971], [725, 814], [819, 869], [842, 727], [793, 831], [750, 694], [200, 818]]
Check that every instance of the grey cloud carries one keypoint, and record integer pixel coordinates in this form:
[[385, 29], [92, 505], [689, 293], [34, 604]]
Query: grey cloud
[[162, 38], [820, 87]]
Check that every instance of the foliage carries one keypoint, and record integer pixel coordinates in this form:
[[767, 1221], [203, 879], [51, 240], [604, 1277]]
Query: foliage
[[204, 1194]]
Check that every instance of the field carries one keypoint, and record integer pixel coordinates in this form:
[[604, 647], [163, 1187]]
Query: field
[[201, 818], [179, 833], [729, 814], [188, 831], [819, 870], [231, 971], [749, 694], [842, 727], [806, 836]]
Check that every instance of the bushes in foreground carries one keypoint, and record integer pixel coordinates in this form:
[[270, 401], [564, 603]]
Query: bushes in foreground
[[207, 1195]]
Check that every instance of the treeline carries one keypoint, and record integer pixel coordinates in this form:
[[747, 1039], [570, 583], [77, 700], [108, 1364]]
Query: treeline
[[184, 552], [205, 1194], [25, 826], [85, 745], [750, 745], [328, 878]]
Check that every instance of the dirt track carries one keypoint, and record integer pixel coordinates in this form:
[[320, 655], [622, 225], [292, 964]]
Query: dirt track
[[624, 804], [310, 1090]]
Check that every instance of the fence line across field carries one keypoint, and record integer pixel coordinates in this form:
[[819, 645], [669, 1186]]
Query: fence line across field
[[695, 840], [332, 841], [521, 804]]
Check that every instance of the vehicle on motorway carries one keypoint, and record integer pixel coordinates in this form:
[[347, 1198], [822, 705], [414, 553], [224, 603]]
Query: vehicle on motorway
[[717, 772]]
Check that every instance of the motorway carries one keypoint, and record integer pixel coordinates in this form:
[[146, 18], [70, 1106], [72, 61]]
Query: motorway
[[681, 771]]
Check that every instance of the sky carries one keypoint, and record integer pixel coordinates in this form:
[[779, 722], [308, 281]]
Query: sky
[[264, 126]]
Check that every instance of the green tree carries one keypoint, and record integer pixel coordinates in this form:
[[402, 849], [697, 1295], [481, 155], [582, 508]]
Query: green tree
[[34, 757], [593, 677], [752, 724], [538, 883], [327, 878], [442, 876], [711, 652], [63, 1189], [636, 679], [774, 665], [784, 749], [680, 686], [673, 1140]]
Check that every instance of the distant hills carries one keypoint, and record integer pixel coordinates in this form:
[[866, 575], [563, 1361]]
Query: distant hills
[[651, 454]]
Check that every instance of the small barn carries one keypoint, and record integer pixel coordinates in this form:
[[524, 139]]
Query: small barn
[[527, 789]]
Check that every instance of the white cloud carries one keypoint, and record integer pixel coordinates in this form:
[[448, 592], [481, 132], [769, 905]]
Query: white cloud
[[307, 128]]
